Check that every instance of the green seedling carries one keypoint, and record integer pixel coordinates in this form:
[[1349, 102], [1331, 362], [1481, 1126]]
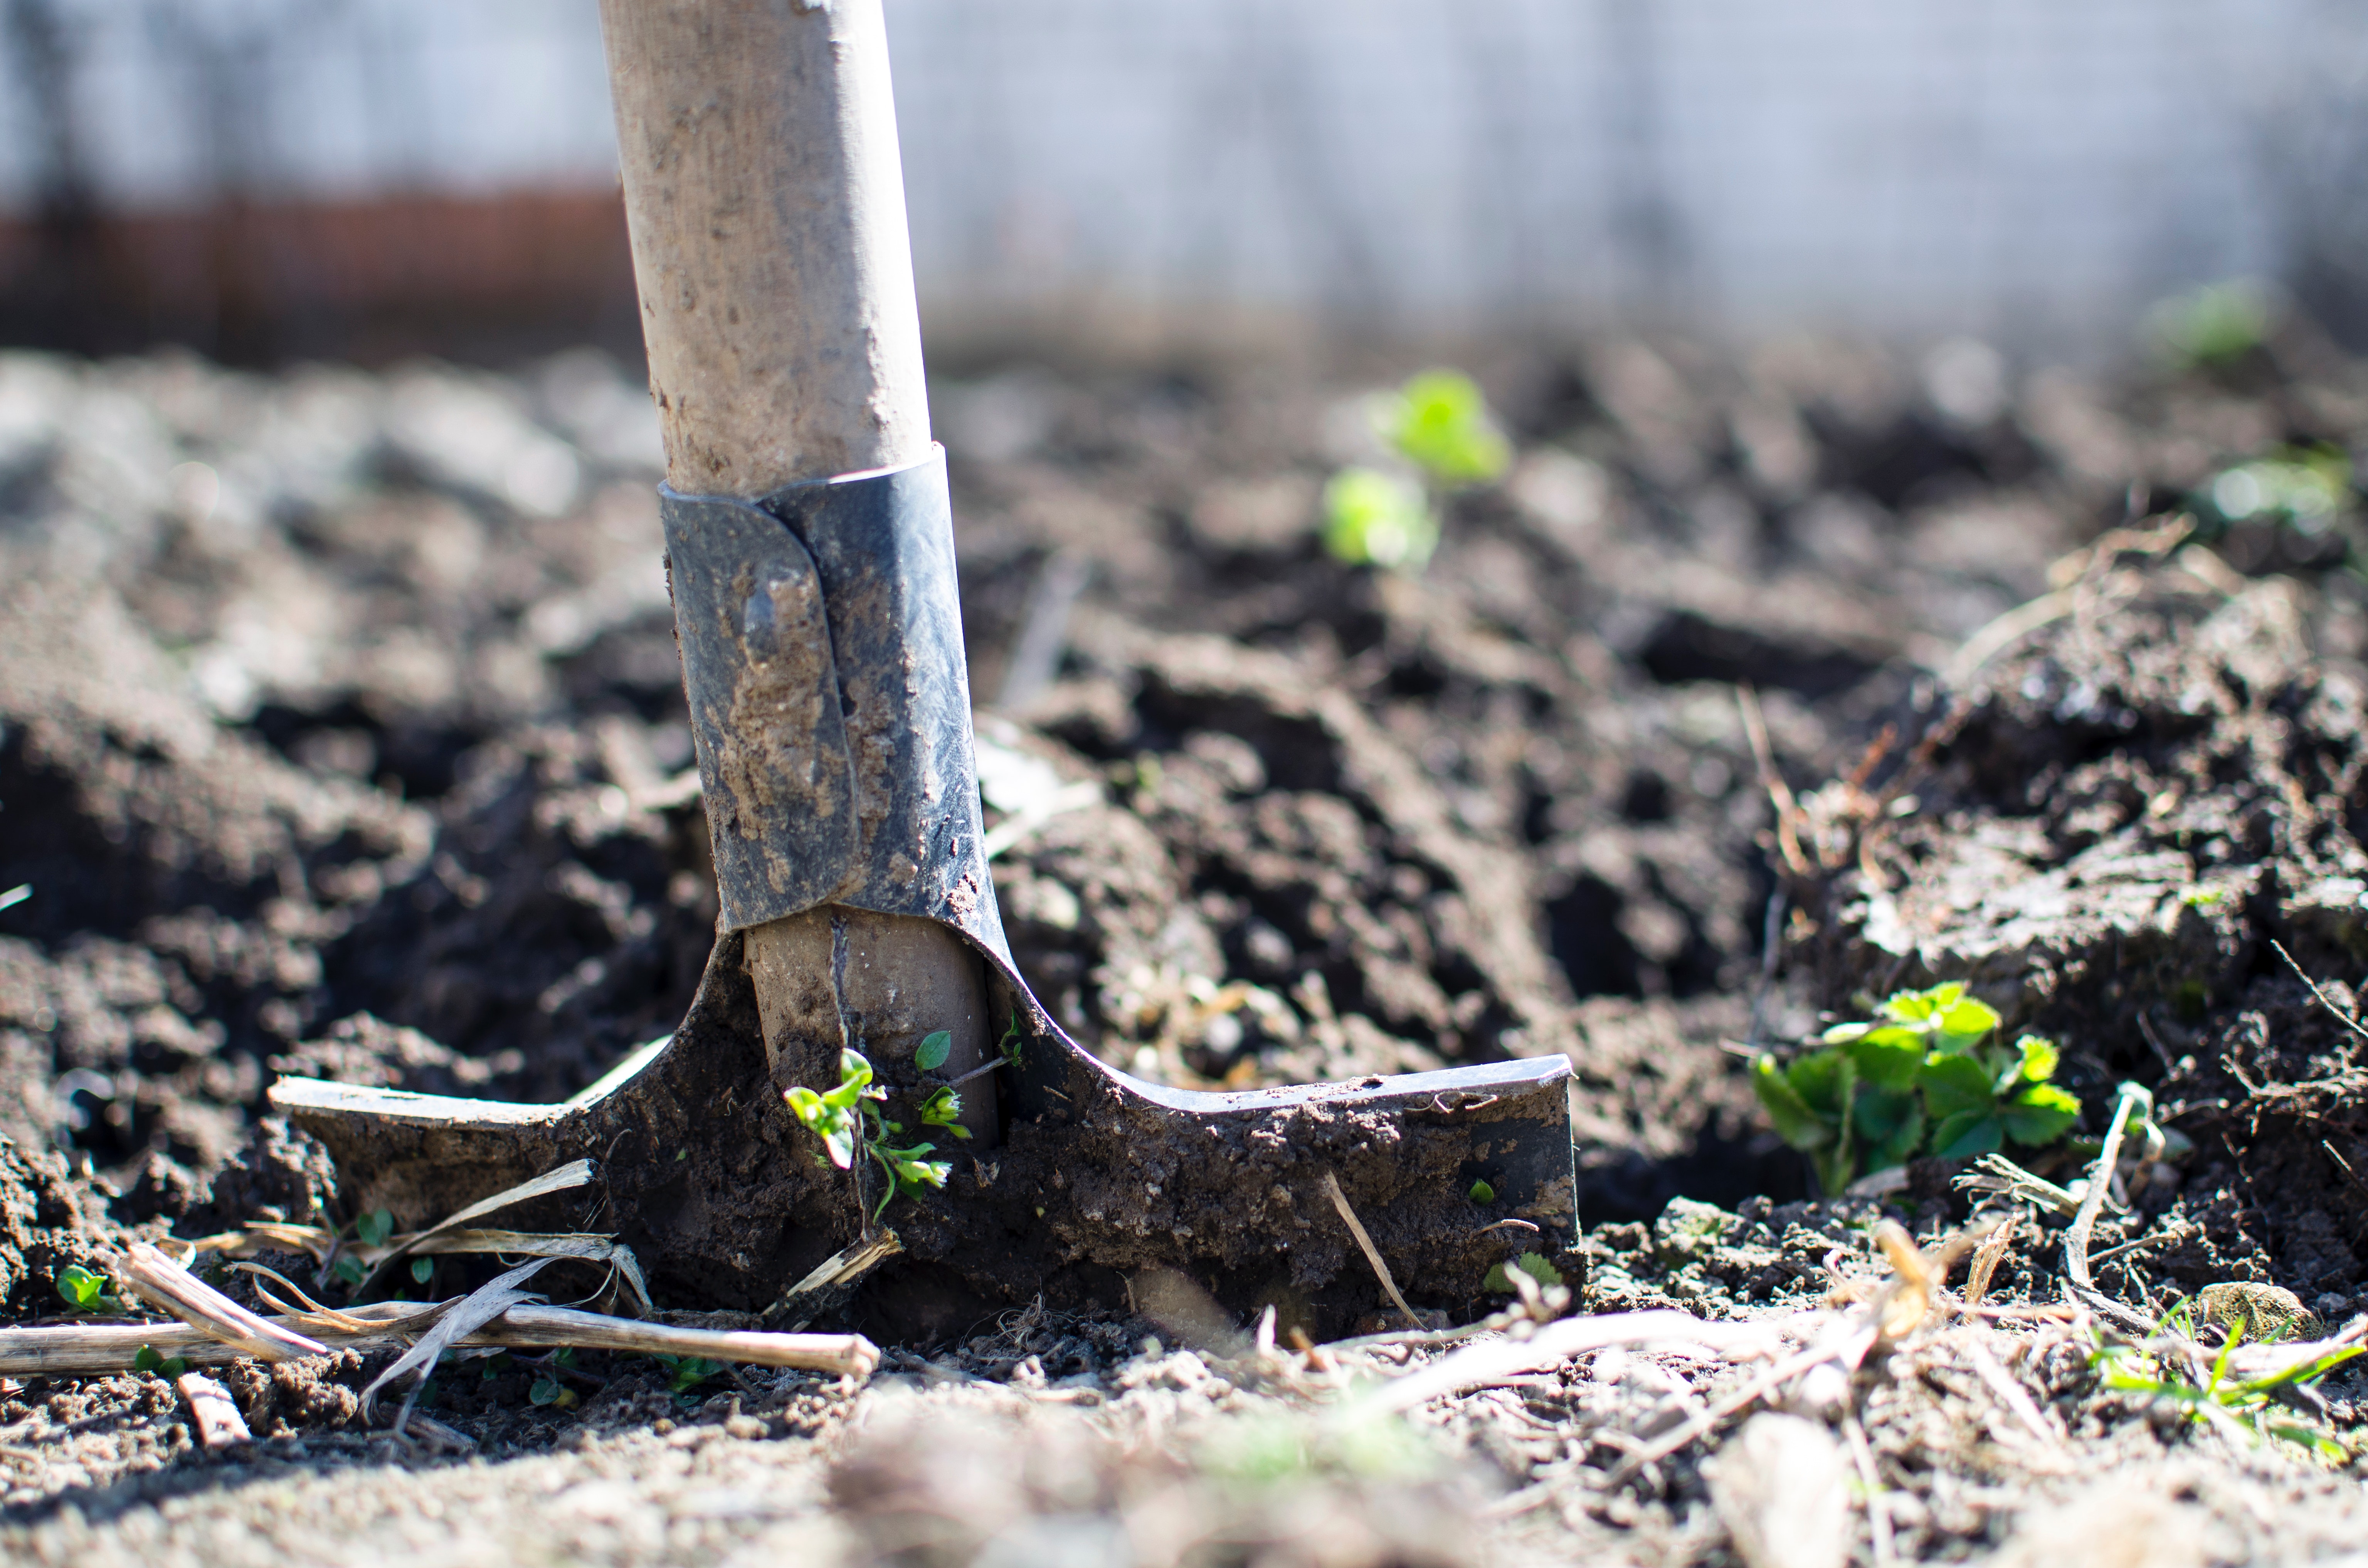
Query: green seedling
[[1547, 1276], [548, 1390], [1012, 1044], [2216, 323], [1919, 1079], [147, 1360], [848, 1118], [1439, 421], [85, 1291], [1481, 1192], [2303, 488], [422, 1270], [685, 1373], [1438, 424], [932, 1053], [374, 1228], [943, 1109], [2165, 1368], [1371, 519]]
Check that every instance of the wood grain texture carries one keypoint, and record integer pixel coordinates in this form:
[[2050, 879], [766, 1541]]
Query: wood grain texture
[[766, 202]]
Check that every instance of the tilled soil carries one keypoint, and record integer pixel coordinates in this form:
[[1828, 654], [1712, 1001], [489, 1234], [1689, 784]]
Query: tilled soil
[[341, 735]]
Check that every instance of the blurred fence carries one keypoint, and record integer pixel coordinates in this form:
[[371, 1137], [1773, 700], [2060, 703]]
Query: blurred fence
[[262, 171]]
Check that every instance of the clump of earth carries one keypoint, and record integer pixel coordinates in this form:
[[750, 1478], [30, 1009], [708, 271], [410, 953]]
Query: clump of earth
[[341, 735]]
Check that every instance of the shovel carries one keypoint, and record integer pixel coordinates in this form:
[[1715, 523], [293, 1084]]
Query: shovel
[[988, 1159]]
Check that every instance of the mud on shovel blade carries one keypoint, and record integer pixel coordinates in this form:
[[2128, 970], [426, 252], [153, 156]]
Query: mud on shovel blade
[[811, 557]]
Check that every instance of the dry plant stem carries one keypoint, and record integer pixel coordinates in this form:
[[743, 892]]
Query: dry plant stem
[[2010, 1393], [220, 1425], [166, 1286], [1373, 1254], [1988, 1257], [1779, 794], [1878, 1512], [2084, 1224], [843, 1354], [2346, 1019], [73, 1349]]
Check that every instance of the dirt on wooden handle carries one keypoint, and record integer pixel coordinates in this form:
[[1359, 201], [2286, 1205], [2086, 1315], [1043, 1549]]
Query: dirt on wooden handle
[[765, 197]]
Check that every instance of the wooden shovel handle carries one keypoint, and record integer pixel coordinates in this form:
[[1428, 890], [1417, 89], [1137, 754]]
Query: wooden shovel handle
[[764, 195], [766, 201]]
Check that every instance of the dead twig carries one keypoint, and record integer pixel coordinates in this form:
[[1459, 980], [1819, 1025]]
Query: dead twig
[[163, 1284], [1373, 1254], [1880, 1545], [2133, 1096], [463, 1317], [72, 1349], [220, 1425], [1986, 1259], [2346, 1019]]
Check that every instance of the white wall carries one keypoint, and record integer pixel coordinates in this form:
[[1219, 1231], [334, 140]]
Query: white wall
[[2016, 167]]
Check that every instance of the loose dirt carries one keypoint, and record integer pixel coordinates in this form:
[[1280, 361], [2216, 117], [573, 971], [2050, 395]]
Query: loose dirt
[[341, 735]]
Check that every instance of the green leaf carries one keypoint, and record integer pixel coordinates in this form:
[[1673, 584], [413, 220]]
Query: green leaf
[[1890, 1125], [1888, 1058], [854, 1080], [1966, 1134], [922, 1172], [373, 1229], [1919, 1006], [1794, 1121], [932, 1053], [1439, 421], [1529, 1263], [943, 1109], [350, 1268], [1371, 519], [147, 1360], [79, 1288], [1955, 1085], [687, 1372], [2040, 1058], [546, 1390], [1968, 1019], [1481, 1192], [2040, 1114], [1824, 1080], [421, 1268]]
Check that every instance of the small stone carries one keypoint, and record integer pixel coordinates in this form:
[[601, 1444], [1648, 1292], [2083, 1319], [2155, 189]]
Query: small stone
[[2262, 1310]]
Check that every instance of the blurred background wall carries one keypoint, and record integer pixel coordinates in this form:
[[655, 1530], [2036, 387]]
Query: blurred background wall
[[262, 178]]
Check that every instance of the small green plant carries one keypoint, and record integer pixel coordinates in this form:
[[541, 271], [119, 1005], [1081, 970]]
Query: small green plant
[[1371, 519], [1919, 1079], [685, 1373], [1439, 421], [146, 1360], [1012, 1044], [2167, 1369], [848, 1118], [932, 1053], [85, 1291], [2216, 323], [372, 1230], [2305, 488], [1529, 1263], [1437, 424], [1481, 1192]]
